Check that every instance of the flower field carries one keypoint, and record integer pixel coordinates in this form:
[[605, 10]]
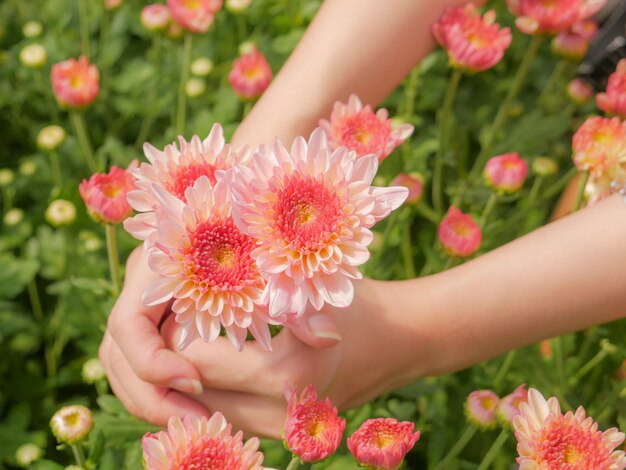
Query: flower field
[[116, 131]]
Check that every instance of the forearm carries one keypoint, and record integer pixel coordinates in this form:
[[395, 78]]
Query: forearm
[[353, 46], [564, 277]]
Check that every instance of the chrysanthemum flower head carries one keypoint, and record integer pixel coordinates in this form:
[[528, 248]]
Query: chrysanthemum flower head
[[105, 194], [200, 443], [613, 101], [481, 407], [382, 443], [508, 408], [473, 42], [194, 15], [251, 74], [579, 91], [358, 128], [599, 145], [71, 424], [551, 16], [60, 212], [313, 429], [75, 83], [310, 211], [33, 56], [414, 182], [155, 17], [175, 169], [548, 439], [205, 264], [506, 173], [51, 137], [458, 234]]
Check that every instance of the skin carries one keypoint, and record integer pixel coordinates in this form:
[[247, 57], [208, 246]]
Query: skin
[[519, 293]]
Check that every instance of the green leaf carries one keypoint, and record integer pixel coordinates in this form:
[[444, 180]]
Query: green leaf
[[15, 274]]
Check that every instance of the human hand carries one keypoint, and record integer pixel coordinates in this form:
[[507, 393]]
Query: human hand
[[380, 350], [147, 377]]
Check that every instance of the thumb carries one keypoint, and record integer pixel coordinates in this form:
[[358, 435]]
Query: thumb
[[316, 329]]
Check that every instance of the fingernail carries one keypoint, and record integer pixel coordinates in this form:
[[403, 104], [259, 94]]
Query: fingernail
[[323, 327], [187, 386]]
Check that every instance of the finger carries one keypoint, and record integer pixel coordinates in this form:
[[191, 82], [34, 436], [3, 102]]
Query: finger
[[316, 329], [134, 329], [253, 414], [152, 404]]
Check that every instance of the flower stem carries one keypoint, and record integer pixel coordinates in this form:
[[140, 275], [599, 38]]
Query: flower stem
[[56, 170], [428, 213], [559, 185], [150, 116], [114, 260], [182, 101], [503, 113], [555, 76], [407, 252], [491, 203], [504, 368], [78, 121], [557, 347], [79, 455], [242, 33], [494, 449], [444, 119], [293, 463], [534, 192], [584, 370], [581, 191], [84, 27], [35, 302], [467, 435]]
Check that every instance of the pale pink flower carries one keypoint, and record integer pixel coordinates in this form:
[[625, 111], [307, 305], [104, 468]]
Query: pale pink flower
[[200, 443], [313, 429], [112, 4], [613, 101], [194, 15], [506, 173], [481, 407], [358, 128], [75, 83], [414, 182], [458, 234], [508, 408], [579, 91], [551, 16], [310, 210], [473, 42], [548, 439], [105, 194], [72, 424], [205, 264], [175, 169], [382, 443], [155, 17], [250, 75], [599, 145]]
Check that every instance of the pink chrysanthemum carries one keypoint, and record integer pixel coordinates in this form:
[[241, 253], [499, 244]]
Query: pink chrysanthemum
[[155, 17], [313, 429], [599, 145], [551, 16], [194, 15], [176, 169], [75, 83], [205, 264], [200, 443], [474, 43], [508, 408], [458, 234], [250, 75], [382, 443], [361, 130], [579, 91], [481, 407], [105, 194], [613, 101], [506, 173], [72, 424], [547, 439], [414, 182], [310, 211]]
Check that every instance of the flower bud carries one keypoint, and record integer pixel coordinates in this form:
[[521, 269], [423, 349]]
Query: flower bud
[[247, 47], [196, 16], [76, 83], [544, 166], [105, 194], [27, 454], [237, 6], [112, 4], [50, 138], [7, 176], [60, 212], [33, 56], [414, 182], [32, 29], [155, 17], [91, 242], [508, 408], [93, 371], [71, 424], [13, 217], [195, 87], [28, 168], [481, 407], [201, 67], [579, 91], [506, 173], [458, 234]]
